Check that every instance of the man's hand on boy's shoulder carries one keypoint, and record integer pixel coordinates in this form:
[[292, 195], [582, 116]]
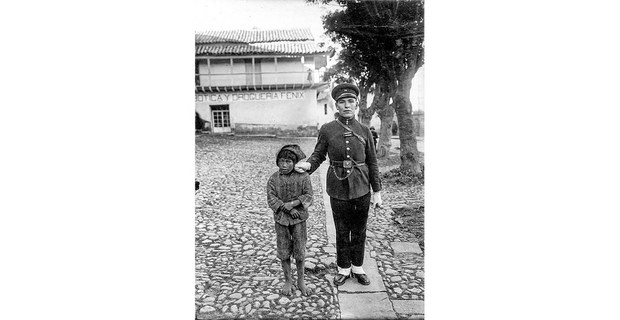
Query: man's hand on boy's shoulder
[[302, 166], [294, 213]]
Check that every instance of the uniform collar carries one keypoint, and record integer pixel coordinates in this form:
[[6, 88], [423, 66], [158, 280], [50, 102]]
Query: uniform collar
[[346, 121]]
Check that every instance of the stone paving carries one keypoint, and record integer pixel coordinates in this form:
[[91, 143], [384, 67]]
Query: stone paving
[[399, 257], [237, 272]]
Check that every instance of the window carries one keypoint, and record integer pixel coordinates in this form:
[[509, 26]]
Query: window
[[221, 118]]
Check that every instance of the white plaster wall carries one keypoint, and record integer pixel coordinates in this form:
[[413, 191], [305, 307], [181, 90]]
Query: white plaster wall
[[222, 66], [238, 67], [217, 66], [323, 118], [282, 113], [267, 65], [291, 65], [203, 68], [284, 65]]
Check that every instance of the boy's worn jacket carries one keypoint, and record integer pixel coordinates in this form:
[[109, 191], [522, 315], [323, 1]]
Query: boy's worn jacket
[[283, 188]]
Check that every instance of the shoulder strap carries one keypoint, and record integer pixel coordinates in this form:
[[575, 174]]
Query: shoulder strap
[[353, 132]]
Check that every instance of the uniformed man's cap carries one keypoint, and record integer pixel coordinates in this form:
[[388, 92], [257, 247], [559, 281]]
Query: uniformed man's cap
[[345, 90]]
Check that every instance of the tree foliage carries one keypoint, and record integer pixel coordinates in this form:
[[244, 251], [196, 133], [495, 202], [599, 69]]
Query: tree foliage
[[384, 37], [383, 47]]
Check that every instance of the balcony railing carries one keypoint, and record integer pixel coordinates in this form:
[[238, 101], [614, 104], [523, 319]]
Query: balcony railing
[[255, 78]]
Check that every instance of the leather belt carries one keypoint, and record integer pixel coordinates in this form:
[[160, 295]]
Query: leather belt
[[339, 163]]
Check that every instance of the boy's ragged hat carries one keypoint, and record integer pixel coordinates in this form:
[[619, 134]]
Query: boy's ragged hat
[[295, 149]]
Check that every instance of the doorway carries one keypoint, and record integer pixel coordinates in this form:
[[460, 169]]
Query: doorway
[[221, 118]]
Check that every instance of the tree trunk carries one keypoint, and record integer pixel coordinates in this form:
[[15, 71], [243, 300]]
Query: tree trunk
[[409, 155], [386, 114], [385, 134], [366, 112]]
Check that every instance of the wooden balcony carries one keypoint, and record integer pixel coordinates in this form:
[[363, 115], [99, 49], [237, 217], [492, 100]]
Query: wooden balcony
[[283, 80]]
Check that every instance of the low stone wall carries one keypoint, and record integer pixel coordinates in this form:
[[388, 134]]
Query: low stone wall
[[278, 130]]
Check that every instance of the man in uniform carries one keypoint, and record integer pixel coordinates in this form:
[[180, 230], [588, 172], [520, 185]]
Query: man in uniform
[[353, 171]]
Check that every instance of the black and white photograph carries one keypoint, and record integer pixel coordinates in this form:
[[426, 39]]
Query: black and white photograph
[[310, 160], [352, 159]]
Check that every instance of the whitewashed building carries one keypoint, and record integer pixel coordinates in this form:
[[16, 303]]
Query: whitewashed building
[[261, 82]]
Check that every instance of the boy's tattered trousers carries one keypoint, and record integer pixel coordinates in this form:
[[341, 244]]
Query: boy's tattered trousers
[[291, 241], [350, 217]]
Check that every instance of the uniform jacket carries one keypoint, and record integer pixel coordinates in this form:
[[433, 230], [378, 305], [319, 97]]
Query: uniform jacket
[[333, 143], [283, 188]]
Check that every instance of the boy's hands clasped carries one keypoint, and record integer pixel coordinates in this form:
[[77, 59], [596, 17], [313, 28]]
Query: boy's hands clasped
[[294, 213], [289, 207]]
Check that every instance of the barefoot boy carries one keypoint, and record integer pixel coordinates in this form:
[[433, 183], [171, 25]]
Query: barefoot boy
[[289, 194]]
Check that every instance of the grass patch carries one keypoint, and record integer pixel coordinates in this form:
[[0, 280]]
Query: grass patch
[[391, 160], [398, 177], [411, 219]]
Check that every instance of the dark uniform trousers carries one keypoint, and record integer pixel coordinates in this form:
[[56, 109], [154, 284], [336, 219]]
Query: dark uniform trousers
[[350, 217]]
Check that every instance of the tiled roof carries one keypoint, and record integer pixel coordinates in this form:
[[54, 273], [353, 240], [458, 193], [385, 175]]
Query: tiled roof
[[306, 47], [243, 42], [253, 36]]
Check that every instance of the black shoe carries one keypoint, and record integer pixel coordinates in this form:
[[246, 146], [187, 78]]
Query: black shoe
[[340, 278], [361, 278]]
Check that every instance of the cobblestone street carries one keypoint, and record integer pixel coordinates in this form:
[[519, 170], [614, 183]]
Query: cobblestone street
[[237, 272]]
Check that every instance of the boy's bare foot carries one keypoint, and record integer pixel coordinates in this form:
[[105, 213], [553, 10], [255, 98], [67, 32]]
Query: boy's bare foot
[[286, 289], [302, 287]]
